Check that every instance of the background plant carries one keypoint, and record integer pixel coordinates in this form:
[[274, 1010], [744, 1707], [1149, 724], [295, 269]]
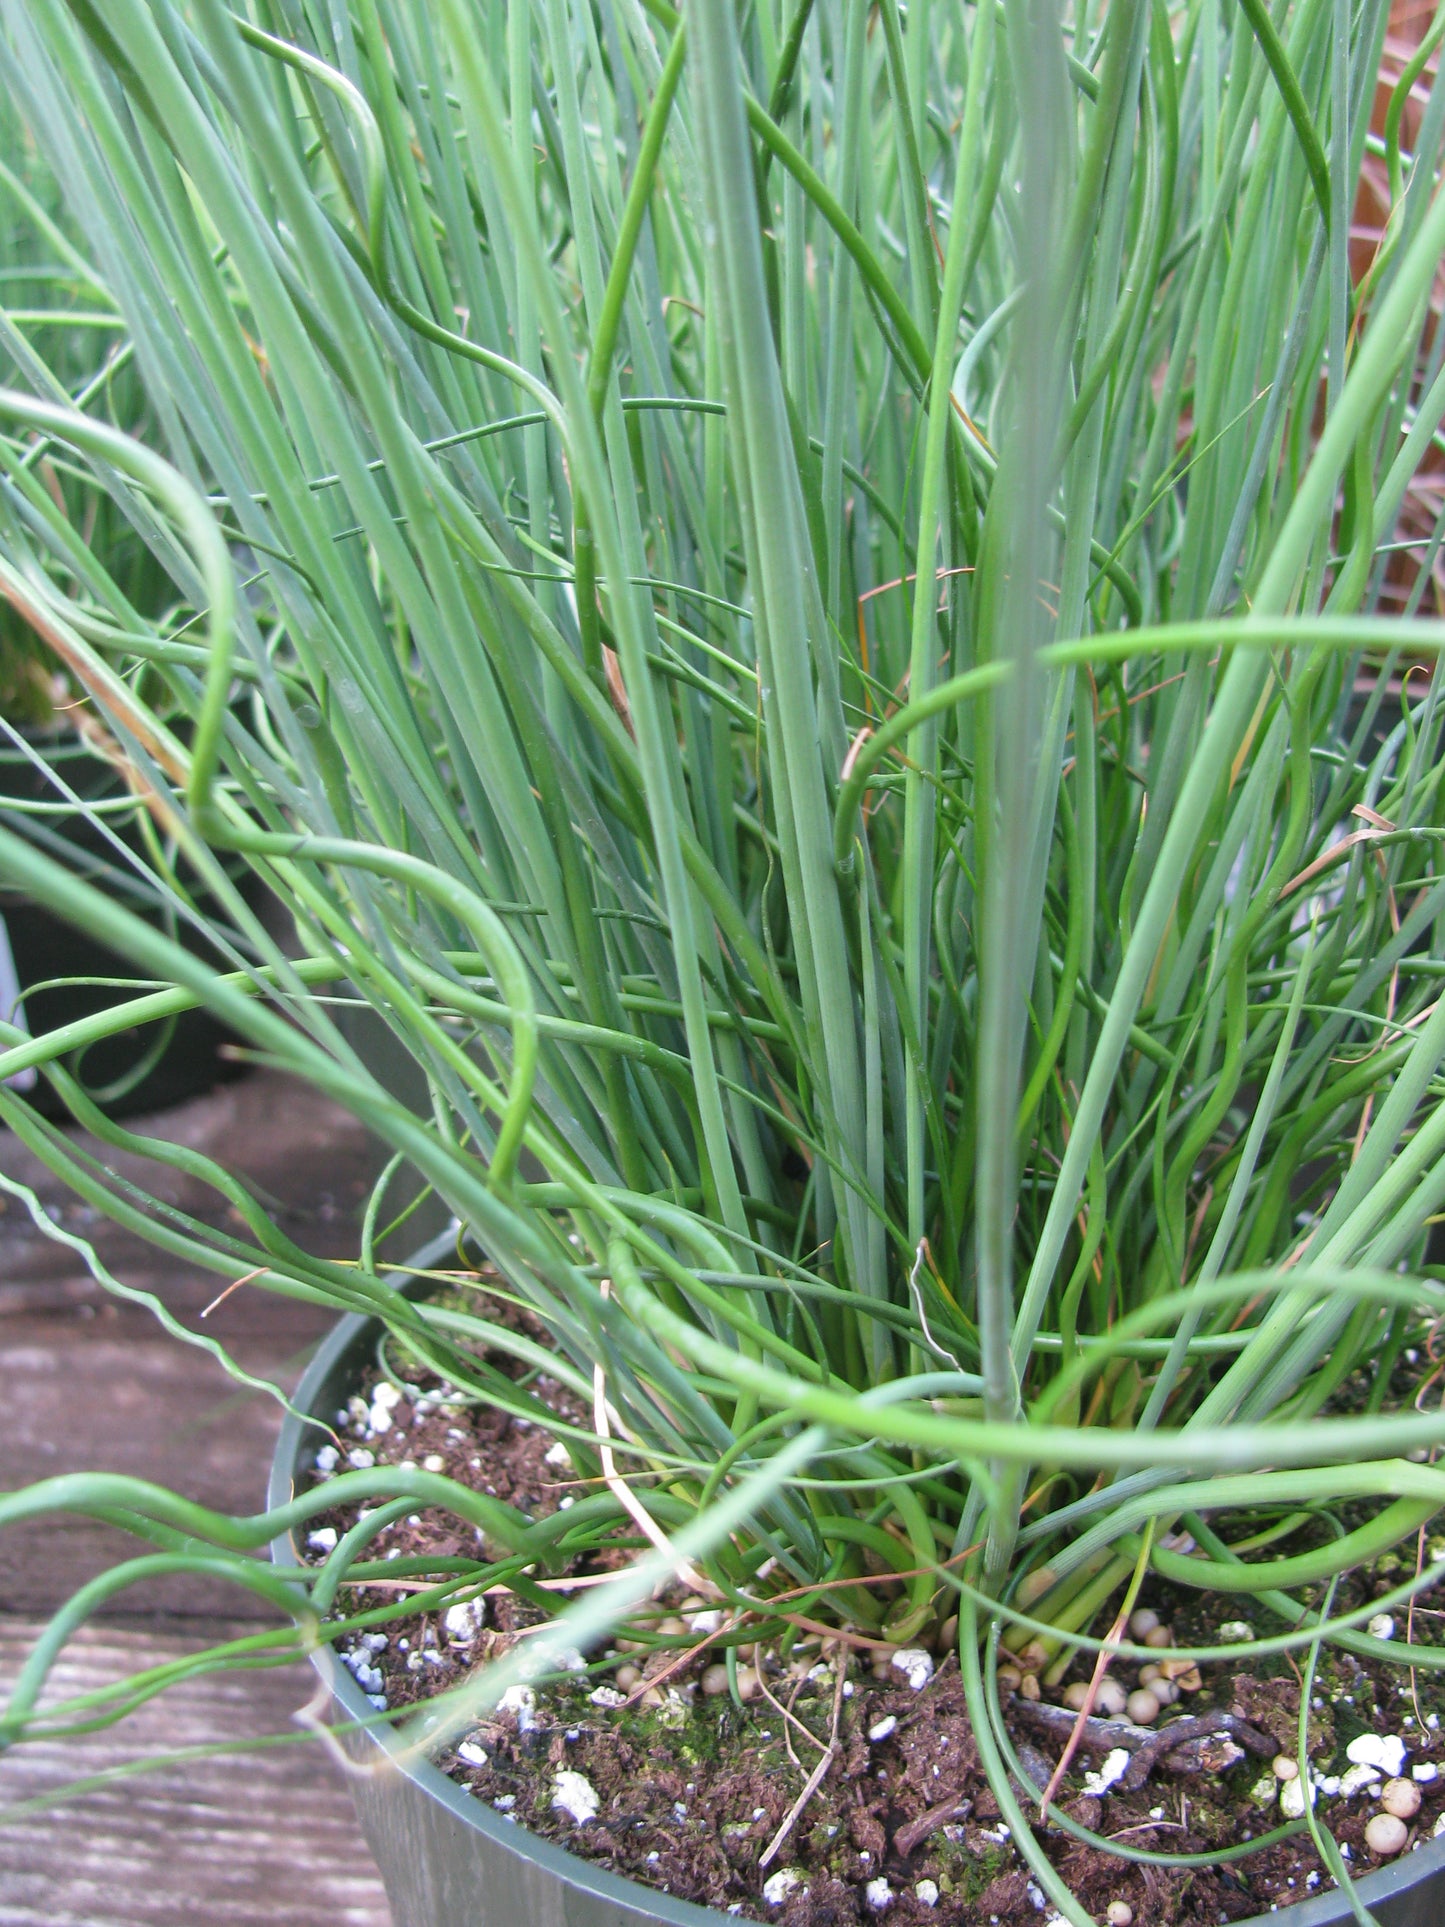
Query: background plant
[[985, 1035], [61, 334]]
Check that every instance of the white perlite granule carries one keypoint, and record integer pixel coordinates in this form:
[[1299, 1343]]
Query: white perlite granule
[[1384, 1750], [1356, 1779], [1292, 1799], [522, 1701], [779, 1885], [464, 1622], [574, 1794], [915, 1665], [1116, 1765]]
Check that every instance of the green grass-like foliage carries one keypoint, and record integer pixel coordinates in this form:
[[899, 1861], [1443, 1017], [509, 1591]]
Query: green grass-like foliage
[[964, 1058], [61, 334]]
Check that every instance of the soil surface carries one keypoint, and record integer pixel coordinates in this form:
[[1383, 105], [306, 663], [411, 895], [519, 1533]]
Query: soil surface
[[694, 1785]]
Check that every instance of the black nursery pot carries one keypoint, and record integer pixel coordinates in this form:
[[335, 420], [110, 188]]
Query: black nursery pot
[[44, 948], [449, 1860]]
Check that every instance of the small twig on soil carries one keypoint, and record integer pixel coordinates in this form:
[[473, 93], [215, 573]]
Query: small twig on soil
[[789, 1716], [1148, 1745], [1071, 1744], [837, 1632], [575, 1583], [1101, 1666], [859, 1579], [1195, 1727], [684, 1659], [1410, 1624], [815, 1778], [1419, 1563], [908, 1839], [1212, 1753]]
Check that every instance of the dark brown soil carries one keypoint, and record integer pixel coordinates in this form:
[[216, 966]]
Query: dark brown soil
[[691, 1791]]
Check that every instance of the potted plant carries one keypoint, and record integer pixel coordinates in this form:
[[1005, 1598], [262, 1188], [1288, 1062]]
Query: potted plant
[[939, 1081], [57, 783]]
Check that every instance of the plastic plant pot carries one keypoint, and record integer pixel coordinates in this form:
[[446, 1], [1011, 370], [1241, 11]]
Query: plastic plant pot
[[449, 1860]]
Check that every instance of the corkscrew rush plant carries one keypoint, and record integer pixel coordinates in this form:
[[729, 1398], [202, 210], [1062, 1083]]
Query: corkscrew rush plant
[[792, 598]]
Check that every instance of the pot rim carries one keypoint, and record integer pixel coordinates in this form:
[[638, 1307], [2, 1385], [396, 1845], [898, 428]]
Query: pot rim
[[1328, 1908]]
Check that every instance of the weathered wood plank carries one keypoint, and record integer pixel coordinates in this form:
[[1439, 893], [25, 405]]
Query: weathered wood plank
[[306, 1159], [228, 1841], [77, 1400], [95, 1383], [92, 1383]]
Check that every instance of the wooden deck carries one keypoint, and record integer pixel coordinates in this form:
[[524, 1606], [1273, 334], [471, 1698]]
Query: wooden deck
[[91, 1383]]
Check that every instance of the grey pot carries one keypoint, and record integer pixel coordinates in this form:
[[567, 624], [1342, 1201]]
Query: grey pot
[[449, 1860]]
